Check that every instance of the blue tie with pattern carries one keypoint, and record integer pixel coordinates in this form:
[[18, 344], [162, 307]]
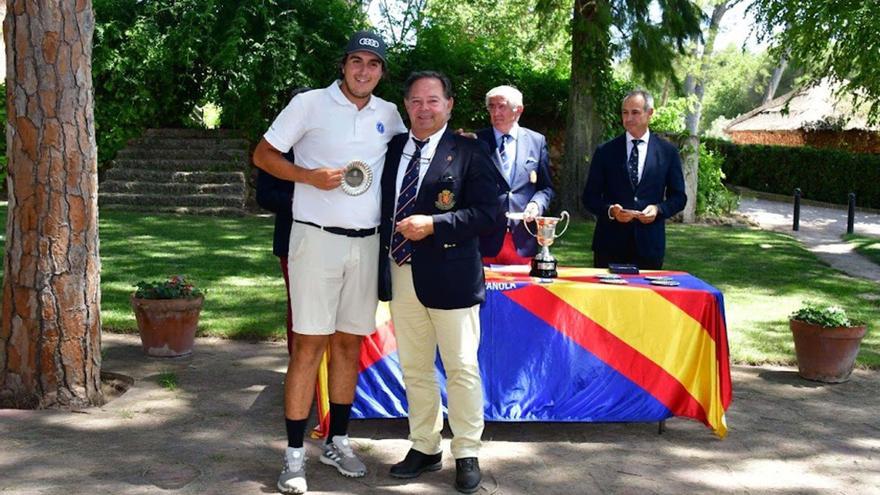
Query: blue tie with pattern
[[633, 163], [505, 159], [401, 247]]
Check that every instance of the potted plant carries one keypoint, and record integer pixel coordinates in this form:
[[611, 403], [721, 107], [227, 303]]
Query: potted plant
[[167, 313], [826, 342]]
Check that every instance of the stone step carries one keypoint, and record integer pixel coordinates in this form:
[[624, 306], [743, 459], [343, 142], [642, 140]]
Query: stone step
[[170, 176], [157, 200], [164, 143], [178, 165], [168, 189], [216, 211], [192, 133], [227, 155]]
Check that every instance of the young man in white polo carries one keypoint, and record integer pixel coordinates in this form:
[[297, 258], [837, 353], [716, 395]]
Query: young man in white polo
[[334, 245]]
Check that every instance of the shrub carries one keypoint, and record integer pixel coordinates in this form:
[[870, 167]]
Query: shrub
[[175, 287], [823, 315], [712, 197], [154, 63], [821, 174]]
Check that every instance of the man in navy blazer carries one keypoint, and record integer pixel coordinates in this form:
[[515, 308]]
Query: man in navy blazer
[[521, 157], [439, 193], [635, 183]]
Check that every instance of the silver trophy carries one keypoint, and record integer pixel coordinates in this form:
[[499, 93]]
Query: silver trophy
[[544, 264], [357, 177]]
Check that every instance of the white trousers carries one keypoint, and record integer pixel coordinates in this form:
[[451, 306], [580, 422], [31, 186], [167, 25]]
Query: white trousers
[[420, 332]]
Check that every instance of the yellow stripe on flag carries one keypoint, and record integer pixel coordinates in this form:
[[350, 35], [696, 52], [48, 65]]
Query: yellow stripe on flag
[[322, 388], [659, 330]]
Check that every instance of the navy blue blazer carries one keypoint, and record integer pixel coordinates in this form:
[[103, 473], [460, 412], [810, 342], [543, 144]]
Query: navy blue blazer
[[446, 266], [608, 182], [530, 181], [276, 195]]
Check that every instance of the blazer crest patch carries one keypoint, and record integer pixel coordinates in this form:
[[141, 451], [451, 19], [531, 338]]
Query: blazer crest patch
[[445, 200]]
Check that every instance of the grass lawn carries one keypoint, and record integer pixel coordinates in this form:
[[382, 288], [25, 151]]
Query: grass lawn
[[230, 257], [764, 276], [869, 247]]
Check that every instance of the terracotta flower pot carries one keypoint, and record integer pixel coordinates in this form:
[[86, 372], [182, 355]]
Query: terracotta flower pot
[[825, 354], [167, 326]]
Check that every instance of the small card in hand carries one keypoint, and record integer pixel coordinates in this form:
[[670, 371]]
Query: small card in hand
[[623, 268], [634, 213]]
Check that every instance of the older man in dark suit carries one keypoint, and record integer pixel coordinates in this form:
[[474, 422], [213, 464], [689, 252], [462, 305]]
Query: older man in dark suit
[[635, 183], [439, 193], [521, 157]]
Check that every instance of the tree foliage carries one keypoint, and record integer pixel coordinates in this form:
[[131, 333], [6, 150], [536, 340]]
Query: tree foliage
[[157, 62], [736, 81], [478, 59], [833, 38], [649, 32]]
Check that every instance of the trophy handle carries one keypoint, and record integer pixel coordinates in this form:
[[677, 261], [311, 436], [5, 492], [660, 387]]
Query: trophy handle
[[564, 215], [526, 224]]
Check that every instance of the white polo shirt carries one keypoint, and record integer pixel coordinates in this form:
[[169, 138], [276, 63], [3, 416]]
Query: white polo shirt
[[325, 129]]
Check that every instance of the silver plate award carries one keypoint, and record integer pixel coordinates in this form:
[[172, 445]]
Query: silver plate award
[[357, 177]]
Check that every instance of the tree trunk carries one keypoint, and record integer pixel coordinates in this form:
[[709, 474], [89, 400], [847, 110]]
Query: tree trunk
[[50, 338], [589, 61], [773, 85], [664, 97], [695, 88]]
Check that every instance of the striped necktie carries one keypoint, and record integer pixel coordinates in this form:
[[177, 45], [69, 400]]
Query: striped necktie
[[633, 163], [505, 158], [401, 247]]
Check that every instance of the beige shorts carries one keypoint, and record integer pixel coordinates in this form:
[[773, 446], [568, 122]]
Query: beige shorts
[[333, 281]]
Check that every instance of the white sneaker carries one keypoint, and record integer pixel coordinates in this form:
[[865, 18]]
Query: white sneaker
[[338, 453], [293, 475]]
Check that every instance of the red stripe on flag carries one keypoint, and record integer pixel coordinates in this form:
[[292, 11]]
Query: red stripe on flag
[[377, 346], [703, 307], [610, 349]]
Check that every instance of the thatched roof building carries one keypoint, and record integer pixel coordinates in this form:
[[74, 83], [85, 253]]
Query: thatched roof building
[[811, 116]]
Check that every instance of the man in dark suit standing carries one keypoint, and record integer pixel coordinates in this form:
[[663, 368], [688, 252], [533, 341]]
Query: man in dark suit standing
[[635, 184], [521, 157], [439, 193]]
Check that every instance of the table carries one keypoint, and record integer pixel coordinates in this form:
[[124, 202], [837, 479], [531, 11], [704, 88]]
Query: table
[[579, 350]]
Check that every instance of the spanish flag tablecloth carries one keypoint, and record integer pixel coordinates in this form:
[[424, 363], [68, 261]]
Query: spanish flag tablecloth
[[578, 349]]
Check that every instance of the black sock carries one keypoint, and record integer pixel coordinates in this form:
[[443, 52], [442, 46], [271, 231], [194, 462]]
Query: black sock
[[339, 414], [296, 430]]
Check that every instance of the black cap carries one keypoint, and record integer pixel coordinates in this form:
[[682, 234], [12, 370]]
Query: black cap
[[366, 41]]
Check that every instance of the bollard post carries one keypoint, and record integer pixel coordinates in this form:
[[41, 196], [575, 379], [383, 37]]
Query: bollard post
[[796, 224], [851, 213]]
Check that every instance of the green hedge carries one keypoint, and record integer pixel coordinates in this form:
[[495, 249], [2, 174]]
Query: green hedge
[[821, 174]]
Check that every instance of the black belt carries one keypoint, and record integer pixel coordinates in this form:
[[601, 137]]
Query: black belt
[[341, 231]]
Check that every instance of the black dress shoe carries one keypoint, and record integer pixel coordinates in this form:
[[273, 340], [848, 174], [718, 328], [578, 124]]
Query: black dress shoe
[[467, 474], [415, 464]]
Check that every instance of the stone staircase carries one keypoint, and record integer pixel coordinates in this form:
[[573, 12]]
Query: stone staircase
[[190, 171]]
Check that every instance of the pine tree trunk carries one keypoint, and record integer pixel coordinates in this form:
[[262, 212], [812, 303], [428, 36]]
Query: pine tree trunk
[[589, 56], [50, 338]]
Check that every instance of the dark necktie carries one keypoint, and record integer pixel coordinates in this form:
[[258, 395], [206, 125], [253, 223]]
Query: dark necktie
[[505, 159], [633, 163], [401, 247]]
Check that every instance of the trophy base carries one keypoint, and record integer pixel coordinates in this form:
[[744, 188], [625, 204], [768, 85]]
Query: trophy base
[[543, 268]]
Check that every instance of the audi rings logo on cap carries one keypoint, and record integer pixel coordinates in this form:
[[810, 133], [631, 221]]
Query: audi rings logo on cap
[[369, 42]]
